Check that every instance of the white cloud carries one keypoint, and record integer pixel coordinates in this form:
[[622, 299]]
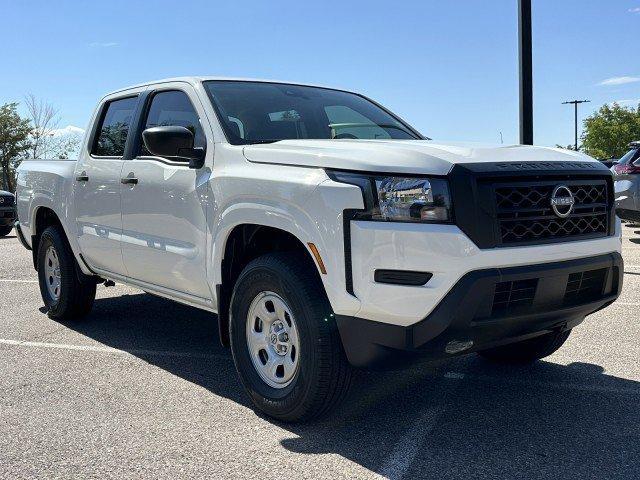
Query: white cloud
[[68, 130], [634, 10], [102, 44], [631, 102], [619, 80]]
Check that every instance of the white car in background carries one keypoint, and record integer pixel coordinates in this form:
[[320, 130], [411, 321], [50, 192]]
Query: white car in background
[[626, 174]]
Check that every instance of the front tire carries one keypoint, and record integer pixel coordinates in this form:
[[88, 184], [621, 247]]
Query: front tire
[[64, 295], [527, 351], [293, 368], [5, 230]]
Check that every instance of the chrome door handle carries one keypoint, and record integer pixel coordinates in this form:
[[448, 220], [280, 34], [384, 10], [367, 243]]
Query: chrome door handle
[[129, 181]]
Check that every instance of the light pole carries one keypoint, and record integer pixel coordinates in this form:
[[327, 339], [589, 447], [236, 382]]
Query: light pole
[[575, 104], [526, 72]]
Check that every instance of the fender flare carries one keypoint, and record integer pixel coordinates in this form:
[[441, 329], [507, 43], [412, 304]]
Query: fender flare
[[43, 201], [301, 226]]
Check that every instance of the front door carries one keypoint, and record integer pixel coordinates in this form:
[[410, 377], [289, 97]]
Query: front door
[[164, 214], [97, 187]]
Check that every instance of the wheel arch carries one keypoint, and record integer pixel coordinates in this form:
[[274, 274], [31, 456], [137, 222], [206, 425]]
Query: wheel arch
[[44, 216], [242, 243]]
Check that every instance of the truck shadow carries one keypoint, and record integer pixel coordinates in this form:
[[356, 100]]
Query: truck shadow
[[462, 418]]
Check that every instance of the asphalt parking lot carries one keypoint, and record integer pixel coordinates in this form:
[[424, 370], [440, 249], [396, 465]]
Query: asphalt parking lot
[[143, 388]]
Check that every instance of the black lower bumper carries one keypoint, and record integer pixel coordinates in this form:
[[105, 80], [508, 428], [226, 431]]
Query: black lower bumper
[[492, 307], [631, 215]]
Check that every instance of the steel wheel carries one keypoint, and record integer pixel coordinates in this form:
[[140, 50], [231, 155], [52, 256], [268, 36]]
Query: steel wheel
[[273, 340], [52, 273]]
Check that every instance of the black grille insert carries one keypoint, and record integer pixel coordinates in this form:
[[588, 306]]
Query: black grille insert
[[585, 287], [525, 214], [509, 296]]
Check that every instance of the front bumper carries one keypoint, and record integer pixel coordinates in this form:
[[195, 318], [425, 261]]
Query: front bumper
[[7, 216], [491, 307]]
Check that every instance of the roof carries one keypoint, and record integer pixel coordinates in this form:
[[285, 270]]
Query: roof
[[199, 79]]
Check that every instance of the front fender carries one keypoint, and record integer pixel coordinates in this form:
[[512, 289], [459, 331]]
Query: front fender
[[318, 219]]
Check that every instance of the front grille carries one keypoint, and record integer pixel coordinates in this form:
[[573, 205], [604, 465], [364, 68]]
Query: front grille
[[7, 201], [525, 215], [510, 296], [585, 287]]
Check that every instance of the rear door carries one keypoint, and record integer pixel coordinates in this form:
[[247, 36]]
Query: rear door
[[164, 213], [97, 185]]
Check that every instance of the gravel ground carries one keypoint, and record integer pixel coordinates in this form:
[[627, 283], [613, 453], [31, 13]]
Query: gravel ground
[[144, 389]]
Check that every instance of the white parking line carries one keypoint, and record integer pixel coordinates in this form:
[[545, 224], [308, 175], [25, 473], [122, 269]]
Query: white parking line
[[411, 443], [408, 447], [561, 385], [111, 350]]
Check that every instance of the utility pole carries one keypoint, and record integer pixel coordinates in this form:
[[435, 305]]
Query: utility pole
[[526, 72], [575, 104]]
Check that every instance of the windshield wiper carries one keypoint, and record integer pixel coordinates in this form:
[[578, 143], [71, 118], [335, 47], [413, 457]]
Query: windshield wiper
[[256, 142]]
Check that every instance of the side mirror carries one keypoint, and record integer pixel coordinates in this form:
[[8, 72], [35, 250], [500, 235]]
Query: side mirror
[[173, 142]]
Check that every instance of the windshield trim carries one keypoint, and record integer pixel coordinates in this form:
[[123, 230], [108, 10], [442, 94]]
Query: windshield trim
[[227, 132]]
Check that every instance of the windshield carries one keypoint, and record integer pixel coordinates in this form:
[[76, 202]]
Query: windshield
[[259, 112]]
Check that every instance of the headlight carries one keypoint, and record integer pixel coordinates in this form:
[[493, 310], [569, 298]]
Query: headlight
[[401, 199]]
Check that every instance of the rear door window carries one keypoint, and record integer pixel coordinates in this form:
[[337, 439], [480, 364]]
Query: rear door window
[[114, 128]]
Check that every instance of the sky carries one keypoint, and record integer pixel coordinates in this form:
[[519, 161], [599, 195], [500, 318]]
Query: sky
[[448, 67]]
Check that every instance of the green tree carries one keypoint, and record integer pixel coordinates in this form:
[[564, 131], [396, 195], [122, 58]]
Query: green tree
[[14, 141], [608, 131]]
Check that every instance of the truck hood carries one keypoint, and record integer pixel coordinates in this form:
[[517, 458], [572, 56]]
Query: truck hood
[[399, 156]]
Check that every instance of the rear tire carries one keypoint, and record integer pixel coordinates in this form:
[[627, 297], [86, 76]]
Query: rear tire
[[64, 295], [527, 351], [318, 377], [5, 230]]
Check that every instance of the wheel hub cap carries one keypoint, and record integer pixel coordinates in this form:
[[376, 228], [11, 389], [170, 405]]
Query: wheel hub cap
[[53, 277], [272, 339]]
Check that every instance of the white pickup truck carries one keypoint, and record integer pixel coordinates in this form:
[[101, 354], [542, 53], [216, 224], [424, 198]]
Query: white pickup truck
[[325, 232]]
